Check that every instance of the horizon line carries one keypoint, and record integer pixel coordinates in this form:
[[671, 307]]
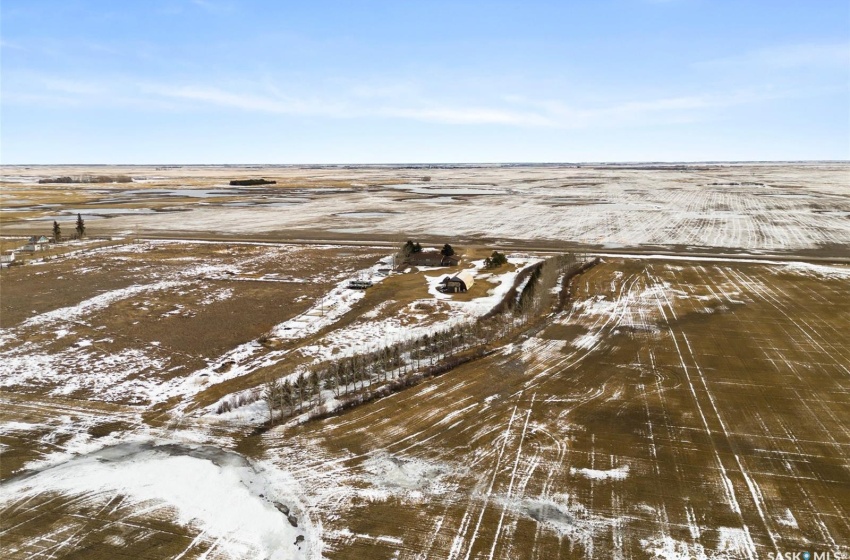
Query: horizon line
[[423, 164]]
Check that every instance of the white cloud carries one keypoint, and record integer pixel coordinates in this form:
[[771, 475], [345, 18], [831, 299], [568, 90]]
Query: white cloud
[[402, 101], [512, 110], [352, 107], [821, 55], [9, 45]]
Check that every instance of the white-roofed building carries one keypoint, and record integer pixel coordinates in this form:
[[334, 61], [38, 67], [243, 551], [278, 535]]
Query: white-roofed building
[[460, 282]]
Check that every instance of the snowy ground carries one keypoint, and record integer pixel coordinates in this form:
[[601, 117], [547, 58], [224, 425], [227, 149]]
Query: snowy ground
[[416, 318], [679, 409], [661, 438], [752, 207], [69, 349], [237, 509], [631, 427]]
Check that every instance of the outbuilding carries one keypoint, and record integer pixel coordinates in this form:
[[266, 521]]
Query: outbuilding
[[460, 282]]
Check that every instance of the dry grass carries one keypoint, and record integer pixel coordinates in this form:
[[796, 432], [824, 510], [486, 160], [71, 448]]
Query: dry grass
[[752, 392], [184, 325], [721, 387]]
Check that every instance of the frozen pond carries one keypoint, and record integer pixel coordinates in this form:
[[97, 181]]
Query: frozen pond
[[365, 214], [190, 193], [99, 213]]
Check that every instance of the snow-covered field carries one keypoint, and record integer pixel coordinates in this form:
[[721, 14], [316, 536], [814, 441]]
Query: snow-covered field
[[109, 456], [642, 422], [775, 207]]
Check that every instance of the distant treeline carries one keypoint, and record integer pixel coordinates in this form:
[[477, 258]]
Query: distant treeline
[[251, 182], [88, 179]]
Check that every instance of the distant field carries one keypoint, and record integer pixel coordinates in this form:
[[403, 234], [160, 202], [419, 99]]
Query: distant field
[[719, 207]]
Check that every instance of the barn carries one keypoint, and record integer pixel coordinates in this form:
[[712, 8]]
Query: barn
[[460, 282]]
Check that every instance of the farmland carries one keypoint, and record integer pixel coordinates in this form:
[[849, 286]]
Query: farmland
[[765, 208], [691, 399], [676, 412]]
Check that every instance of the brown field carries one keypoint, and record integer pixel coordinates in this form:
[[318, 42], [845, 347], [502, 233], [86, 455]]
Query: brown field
[[676, 411], [167, 313], [710, 416], [679, 407]]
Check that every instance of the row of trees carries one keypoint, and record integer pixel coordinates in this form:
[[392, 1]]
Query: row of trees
[[411, 248], [357, 373], [87, 179]]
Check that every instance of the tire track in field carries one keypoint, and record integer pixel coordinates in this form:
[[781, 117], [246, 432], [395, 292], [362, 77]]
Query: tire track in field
[[513, 478], [731, 495], [457, 544]]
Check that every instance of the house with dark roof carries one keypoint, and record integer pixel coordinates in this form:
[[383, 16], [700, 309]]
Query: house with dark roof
[[431, 257]]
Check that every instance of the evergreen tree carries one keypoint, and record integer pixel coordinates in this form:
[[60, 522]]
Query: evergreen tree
[[495, 260], [408, 248], [447, 250], [81, 226], [57, 232]]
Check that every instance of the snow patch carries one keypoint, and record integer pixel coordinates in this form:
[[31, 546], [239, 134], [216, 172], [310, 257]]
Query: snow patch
[[214, 493], [620, 473]]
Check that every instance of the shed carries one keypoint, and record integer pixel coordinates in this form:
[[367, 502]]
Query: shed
[[359, 284], [460, 282], [450, 260]]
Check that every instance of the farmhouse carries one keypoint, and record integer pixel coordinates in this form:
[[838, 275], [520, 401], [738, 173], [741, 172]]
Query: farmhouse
[[36, 243], [431, 257], [460, 282]]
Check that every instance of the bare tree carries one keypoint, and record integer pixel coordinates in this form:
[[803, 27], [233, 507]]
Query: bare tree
[[314, 386], [271, 395], [300, 386]]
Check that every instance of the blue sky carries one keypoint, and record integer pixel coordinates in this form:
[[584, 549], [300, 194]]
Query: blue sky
[[226, 81]]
